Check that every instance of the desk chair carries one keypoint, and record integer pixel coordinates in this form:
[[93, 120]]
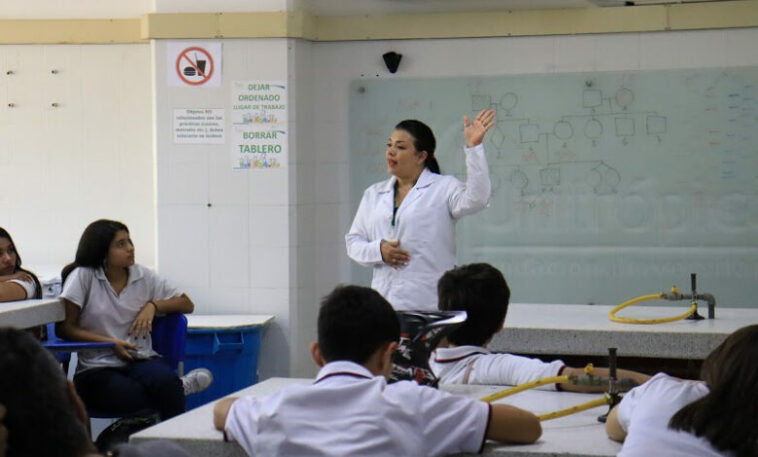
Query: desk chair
[[169, 337], [62, 349], [169, 340]]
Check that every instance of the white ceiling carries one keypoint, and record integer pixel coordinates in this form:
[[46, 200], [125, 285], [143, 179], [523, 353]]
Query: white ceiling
[[68, 9]]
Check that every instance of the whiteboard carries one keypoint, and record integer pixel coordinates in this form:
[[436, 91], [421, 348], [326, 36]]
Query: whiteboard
[[606, 185]]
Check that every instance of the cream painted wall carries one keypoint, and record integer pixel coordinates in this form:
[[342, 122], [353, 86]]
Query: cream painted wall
[[90, 157]]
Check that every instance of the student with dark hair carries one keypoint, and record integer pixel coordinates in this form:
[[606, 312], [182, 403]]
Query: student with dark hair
[[350, 410], [716, 417], [405, 226], [43, 414], [109, 298], [480, 290], [16, 283]]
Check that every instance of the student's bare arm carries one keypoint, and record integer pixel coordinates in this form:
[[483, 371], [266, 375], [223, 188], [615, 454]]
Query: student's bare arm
[[69, 329], [221, 411], [180, 304], [513, 425], [613, 428], [11, 291], [639, 378]]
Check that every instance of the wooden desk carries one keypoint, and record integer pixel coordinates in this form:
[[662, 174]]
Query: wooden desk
[[30, 313], [586, 330], [578, 435]]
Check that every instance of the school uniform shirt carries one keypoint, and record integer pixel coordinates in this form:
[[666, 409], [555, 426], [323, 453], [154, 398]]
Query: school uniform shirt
[[645, 411], [27, 285], [477, 365], [348, 411], [109, 314], [425, 227]]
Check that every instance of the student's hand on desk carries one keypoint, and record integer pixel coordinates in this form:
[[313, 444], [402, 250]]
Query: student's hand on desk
[[143, 323], [3, 433], [124, 349], [392, 255]]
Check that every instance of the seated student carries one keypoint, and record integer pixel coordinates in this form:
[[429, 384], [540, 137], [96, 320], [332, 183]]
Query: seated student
[[16, 283], [109, 298], [40, 413], [717, 416], [350, 410], [480, 290]]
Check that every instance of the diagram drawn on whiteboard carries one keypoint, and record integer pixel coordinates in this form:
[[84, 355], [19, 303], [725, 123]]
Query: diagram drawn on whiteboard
[[553, 153]]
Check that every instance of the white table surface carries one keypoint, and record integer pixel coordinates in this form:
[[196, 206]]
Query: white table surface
[[30, 313], [587, 330], [576, 435], [227, 321]]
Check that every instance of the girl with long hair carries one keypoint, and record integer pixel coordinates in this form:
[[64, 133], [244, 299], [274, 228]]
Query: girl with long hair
[[716, 417], [110, 298]]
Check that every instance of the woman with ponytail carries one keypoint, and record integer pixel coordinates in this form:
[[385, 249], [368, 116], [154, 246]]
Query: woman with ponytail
[[716, 417], [405, 226]]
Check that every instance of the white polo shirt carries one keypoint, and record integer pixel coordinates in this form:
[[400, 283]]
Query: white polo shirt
[[106, 313], [28, 286], [477, 365], [645, 411], [348, 411]]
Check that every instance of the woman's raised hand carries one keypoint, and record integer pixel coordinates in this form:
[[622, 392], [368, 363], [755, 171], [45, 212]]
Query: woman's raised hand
[[474, 130]]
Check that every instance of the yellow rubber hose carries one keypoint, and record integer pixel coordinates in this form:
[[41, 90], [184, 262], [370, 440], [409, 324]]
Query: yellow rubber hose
[[575, 409], [525, 386], [628, 320]]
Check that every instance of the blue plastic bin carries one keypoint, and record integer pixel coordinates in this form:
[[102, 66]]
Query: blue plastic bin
[[228, 348]]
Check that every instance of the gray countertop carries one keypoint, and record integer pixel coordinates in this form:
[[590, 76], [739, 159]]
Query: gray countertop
[[30, 313], [587, 330]]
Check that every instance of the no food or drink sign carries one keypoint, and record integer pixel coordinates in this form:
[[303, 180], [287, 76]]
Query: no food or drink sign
[[194, 65]]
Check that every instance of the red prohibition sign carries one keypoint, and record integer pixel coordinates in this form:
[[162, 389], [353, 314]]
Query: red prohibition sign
[[196, 67]]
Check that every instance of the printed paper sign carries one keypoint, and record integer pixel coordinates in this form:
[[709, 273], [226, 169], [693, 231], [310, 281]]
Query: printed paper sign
[[259, 121], [199, 126]]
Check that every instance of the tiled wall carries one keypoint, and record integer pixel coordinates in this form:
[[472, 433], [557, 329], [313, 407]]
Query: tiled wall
[[89, 157]]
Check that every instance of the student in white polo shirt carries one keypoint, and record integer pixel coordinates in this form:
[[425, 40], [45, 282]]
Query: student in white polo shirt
[[480, 290], [715, 417], [109, 298], [350, 410]]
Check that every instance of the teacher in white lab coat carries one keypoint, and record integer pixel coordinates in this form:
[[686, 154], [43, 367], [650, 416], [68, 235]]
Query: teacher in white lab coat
[[405, 225]]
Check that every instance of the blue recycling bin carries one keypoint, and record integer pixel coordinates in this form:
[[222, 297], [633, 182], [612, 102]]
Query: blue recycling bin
[[227, 345]]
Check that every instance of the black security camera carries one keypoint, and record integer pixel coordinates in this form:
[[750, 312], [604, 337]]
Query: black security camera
[[392, 60]]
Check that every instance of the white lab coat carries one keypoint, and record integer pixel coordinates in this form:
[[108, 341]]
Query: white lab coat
[[425, 227]]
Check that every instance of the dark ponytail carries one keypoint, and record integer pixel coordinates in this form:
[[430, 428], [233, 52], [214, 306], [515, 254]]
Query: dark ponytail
[[423, 140]]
